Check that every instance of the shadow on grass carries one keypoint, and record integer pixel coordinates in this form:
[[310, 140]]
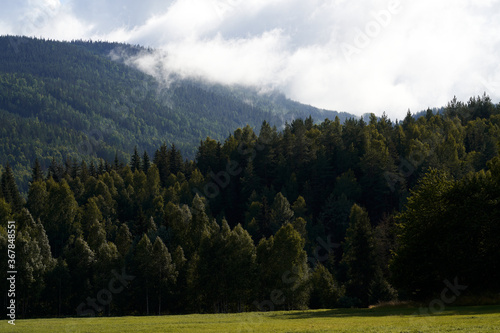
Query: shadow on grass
[[383, 312]]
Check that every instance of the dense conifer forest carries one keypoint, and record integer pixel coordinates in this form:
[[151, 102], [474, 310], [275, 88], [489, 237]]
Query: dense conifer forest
[[314, 215]]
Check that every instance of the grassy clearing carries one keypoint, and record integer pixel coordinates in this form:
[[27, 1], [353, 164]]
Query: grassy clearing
[[463, 319]]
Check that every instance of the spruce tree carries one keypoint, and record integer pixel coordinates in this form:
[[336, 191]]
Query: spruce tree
[[37, 173], [123, 240], [146, 163], [9, 189], [162, 162], [163, 272], [142, 267], [175, 159], [135, 161], [359, 255]]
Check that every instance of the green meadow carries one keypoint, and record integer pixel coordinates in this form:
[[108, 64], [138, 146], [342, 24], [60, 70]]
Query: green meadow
[[453, 319]]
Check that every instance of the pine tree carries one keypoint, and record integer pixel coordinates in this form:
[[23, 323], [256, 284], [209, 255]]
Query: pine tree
[[101, 169], [9, 189], [75, 169], [282, 265], [107, 166], [360, 255], [299, 207], [288, 252], [142, 258], [67, 168], [84, 172], [135, 161], [179, 292], [91, 214], [264, 220], [97, 236], [163, 272], [335, 216], [146, 163], [5, 211], [325, 290], [162, 162], [60, 214], [92, 169], [40, 235], [54, 170], [123, 240], [106, 261], [116, 163], [37, 199], [57, 292], [281, 212], [80, 259], [27, 258], [37, 173], [175, 159], [34, 259], [241, 268], [201, 225]]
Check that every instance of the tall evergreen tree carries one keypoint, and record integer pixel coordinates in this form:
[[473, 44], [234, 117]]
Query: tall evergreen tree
[[359, 255], [325, 291], [58, 219], [101, 169], [135, 161], [84, 172], [283, 266], [9, 189], [161, 159], [80, 259], [37, 199], [146, 163], [142, 267], [281, 212], [55, 170], [175, 159], [37, 173], [163, 270], [116, 163], [92, 169], [123, 240]]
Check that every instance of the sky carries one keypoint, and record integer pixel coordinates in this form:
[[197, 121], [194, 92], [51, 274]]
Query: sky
[[355, 56]]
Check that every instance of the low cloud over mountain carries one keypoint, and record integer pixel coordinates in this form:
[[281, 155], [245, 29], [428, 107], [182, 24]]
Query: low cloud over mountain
[[363, 56]]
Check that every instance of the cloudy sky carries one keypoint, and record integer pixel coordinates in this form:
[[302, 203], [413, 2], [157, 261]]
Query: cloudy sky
[[355, 56]]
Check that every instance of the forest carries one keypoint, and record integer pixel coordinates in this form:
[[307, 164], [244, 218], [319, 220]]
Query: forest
[[314, 215]]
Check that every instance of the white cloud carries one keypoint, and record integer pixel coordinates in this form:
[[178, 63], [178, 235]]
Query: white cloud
[[363, 56], [5, 28]]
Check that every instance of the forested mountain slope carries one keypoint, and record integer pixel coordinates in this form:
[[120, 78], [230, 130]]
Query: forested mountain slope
[[65, 101]]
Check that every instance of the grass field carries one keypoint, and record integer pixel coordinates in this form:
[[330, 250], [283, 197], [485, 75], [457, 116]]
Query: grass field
[[456, 319]]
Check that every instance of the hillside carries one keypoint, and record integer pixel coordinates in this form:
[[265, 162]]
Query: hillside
[[65, 101]]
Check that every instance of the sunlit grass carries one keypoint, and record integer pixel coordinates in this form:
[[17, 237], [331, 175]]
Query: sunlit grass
[[457, 319]]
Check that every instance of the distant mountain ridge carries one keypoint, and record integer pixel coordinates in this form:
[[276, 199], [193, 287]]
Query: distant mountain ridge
[[75, 100], [271, 101]]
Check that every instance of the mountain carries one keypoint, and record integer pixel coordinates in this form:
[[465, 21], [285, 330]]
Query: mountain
[[78, 100]]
